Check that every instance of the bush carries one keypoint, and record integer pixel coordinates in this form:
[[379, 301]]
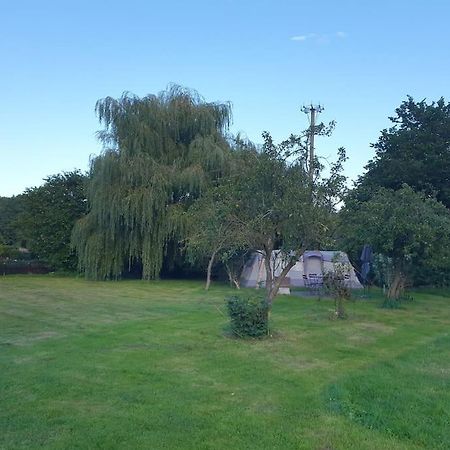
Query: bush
[[337, 286], [249, 315]]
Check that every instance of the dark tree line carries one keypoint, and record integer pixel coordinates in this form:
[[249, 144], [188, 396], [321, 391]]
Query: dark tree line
[[41, 219]]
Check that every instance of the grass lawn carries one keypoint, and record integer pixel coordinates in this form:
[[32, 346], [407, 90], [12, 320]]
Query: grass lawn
[[135, 365]]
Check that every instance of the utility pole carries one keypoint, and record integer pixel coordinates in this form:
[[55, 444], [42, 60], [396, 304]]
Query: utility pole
[[312, 110]]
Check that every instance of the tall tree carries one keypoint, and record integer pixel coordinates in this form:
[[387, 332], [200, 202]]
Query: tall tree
[[49, 214], [415, 151], [159, 153]]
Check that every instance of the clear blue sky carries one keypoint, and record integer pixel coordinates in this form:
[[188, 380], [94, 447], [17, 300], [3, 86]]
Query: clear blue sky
[[358, 59]]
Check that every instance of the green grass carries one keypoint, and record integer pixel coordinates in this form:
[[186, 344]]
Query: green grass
[[148, 365]]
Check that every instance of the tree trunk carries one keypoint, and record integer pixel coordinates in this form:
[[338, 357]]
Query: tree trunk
[[269, 275], [232, 278], [397, 286], [276, 283], [208, 271]]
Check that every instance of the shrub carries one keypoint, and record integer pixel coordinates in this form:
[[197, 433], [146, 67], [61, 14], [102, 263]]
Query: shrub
[[249, 315], [337, 286]]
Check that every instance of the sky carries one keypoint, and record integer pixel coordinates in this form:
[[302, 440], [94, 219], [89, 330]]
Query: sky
[[358, 59]]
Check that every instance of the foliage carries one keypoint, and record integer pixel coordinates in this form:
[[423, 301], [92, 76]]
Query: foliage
[[49, 214], [213, 234], [338, 288], [407, 227], [160, 152], [274, 203], [249, 315], [8, 252], [10, 209], [415, 151], [382, 268]]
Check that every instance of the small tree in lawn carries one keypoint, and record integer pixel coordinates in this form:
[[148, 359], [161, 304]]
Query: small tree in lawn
[[410, 228], [337, 286], [277, 205], [213, 233]]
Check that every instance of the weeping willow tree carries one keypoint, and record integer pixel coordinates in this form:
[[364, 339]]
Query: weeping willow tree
[[160, 152]]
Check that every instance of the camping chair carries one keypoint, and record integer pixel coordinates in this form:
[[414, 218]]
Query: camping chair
[[314, 283]]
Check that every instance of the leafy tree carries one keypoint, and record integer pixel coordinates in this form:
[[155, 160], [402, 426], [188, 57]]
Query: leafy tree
[[8, 251], [10, 208], [410, 228], [271, 202], [282, 207], [213, 231], [49, 214], [160, 152], [415, 151]]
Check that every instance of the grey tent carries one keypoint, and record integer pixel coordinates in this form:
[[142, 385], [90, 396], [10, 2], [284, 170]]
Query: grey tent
[[308, 270]]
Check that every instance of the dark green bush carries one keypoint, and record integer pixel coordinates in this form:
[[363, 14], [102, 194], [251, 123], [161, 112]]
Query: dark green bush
[[249, 315]]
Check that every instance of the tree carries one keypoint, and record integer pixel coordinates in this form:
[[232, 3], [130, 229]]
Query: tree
[[10, 209], [272, 203], [160, 152], [283, 208], [410, 228], [49, 214], [415, 151], [213, 233]]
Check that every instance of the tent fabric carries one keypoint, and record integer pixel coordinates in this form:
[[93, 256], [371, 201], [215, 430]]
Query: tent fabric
[[307, 272]]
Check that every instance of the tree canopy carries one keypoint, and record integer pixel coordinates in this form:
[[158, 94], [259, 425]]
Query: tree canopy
[[269, 202], [410, 228], [213, 234], [49, 214], [10, 209], [415, 151], [160, 152]]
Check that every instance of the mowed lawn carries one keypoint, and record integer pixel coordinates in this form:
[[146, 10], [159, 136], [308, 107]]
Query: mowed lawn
[[134, 365]]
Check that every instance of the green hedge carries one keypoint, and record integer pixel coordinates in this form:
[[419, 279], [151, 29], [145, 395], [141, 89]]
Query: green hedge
[[249, 315]]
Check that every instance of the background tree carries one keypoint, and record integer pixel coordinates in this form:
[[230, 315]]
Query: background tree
[[213, 233], [410, 228], [49, 214], [415, 151], [10, 209], [160, 152]]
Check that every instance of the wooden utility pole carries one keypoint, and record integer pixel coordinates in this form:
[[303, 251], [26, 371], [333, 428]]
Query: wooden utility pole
[[312, 110]]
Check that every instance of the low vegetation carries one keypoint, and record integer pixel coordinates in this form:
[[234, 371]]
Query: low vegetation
[[249, 315], [136, 364]]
